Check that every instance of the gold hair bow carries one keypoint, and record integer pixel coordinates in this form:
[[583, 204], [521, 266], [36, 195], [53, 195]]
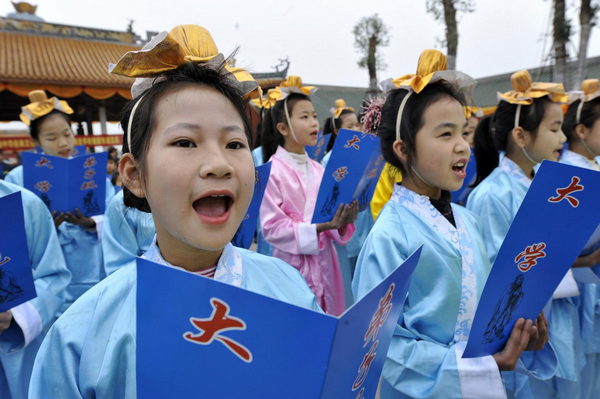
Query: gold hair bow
[[42, 105], [525, 90], [473, 111], [168, 51], [293, 84], [340, 106], [273, 95], [590, 90], [431, 68]]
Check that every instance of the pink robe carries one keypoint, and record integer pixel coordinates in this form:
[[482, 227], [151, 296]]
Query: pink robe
[[286, 213]]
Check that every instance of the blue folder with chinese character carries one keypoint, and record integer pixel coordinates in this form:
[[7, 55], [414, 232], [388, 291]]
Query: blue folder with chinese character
[[557, 217], [65, 184], [16, 276], [245, 234], [199, 337], [317, 152], [351, 174], [78, 150]]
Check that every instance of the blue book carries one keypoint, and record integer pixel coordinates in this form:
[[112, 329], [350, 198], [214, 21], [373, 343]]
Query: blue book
[[65, 184], [220, 341], [16, 276], [556, 219], [78, 150], [317, 152], [351, 174], [245, 233]]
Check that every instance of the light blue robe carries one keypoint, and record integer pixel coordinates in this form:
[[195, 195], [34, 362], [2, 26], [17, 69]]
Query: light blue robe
[[82, 248], [424, 355], [496, 201], [589, 310], [348, 255], [91, 350], [126, 234], [51, 277]]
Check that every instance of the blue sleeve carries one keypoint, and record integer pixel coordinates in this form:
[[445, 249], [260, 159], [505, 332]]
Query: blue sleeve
[[495, 221]]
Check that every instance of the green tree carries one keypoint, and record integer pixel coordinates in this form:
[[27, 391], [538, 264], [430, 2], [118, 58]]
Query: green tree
[[370, 33]]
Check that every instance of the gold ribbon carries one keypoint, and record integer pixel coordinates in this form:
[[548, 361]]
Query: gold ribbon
[[293, 84], [473, 111], [42, 105], [273, 95], [525, 90], [339, 107], [168, 51], [430, 62]]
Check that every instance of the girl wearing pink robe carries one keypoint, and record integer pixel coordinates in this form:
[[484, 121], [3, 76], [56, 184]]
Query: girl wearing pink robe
[[290, 197]]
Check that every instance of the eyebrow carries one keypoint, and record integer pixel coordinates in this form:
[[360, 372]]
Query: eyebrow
[[555, 122], [193, 126], [51, 133], [450, 125]]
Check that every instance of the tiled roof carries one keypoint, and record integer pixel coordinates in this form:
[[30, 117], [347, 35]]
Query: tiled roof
[[38, 59]]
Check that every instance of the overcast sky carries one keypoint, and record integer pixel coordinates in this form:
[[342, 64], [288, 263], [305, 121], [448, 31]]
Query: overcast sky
[[500, 36]]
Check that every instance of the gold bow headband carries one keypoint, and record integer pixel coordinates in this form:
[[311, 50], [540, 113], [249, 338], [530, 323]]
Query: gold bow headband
[[431, 68], [267, 102], [340, 106], [42, 105], [590, 90], [168, 51], [525, 90]]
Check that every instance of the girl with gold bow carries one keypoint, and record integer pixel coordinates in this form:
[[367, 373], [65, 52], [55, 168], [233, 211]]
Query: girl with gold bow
[[423, 132], [291, 196], [582, 128], [187, 160], [343, 117], [527, 126], [80, 236]]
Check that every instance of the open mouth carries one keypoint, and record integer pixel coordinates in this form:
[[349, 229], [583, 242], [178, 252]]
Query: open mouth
[[65, 153], [314, 134], [460, 168], [214, 208]]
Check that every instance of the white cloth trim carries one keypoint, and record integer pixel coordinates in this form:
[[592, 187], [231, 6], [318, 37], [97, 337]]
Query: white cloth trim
[[479, 376], [308, 239], [567, 287], [99, 219], [28, 318]]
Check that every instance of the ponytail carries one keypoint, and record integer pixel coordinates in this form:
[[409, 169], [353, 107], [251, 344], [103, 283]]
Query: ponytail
[[486, 154], [271, 137]]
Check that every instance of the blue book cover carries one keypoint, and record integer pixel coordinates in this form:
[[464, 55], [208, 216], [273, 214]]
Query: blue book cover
[[348, 175], [245, 233], [78, 150], [65, 184], [16, 275], [221, 341], [317, 152], [556, 219]]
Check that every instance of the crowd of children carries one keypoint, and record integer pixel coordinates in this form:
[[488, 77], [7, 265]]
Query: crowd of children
[[187, 173]]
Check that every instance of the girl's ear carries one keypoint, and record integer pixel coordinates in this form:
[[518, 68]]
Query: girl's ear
[[400, 150], [520, 136], [581, 131], [129, 170], [283, 129]]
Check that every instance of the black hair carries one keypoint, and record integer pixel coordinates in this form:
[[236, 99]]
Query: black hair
[[271, 138], [144, 120], [258, 135], [590, 112], [494, 132], [412, 119], [34, 127], [328, 127]]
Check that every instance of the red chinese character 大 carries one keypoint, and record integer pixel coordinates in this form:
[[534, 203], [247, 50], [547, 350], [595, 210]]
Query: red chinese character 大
[[528, 258], [90, 162], [380, 315], [212, 327], [5, 260], [379, 160], [360, 394], [353, 143], [321, 142], [88, 185], [89, 174], [43, 161], [43, 186], [363, 370], [340, 173], [317, 152], [372, 173], [565, 193]]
